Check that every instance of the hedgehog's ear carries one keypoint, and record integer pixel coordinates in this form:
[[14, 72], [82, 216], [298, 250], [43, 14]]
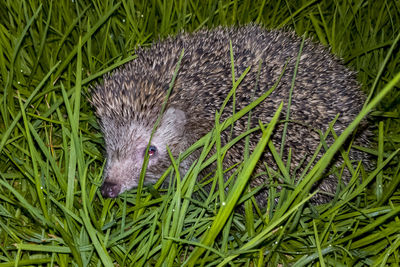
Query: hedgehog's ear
[[174, 117]]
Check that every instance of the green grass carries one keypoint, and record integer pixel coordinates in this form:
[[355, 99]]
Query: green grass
[[51, 149]]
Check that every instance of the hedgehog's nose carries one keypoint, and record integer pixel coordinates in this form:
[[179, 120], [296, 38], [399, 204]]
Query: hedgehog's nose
[[109, 189]]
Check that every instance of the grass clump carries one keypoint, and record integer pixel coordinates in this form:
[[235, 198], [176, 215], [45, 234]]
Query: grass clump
[[51, 157]]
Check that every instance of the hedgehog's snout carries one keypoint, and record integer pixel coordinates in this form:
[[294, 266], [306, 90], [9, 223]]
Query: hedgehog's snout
[[110, 189]]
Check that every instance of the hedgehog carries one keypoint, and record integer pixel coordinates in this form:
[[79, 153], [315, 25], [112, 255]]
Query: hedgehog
[[129, 101]]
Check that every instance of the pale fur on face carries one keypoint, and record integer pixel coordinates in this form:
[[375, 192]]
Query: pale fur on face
[[126, 146]]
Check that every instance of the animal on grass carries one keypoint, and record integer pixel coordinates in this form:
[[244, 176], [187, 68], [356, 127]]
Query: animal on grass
[[129, 100]]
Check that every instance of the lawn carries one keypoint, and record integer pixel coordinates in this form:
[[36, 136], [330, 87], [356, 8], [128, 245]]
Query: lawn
[[52, 151]]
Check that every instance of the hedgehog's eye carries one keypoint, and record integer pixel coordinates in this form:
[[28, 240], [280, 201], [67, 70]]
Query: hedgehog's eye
[[152, 151]]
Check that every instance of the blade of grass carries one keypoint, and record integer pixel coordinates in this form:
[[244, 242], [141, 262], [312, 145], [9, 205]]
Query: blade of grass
[[227, 207]]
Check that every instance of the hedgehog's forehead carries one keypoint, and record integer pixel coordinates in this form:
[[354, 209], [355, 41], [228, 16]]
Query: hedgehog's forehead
[[127, 137]]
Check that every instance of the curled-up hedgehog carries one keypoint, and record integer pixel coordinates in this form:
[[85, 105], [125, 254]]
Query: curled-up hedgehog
[[129, 101]]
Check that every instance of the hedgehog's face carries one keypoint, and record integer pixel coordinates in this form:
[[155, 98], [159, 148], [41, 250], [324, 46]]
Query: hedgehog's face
[[126, 147]]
